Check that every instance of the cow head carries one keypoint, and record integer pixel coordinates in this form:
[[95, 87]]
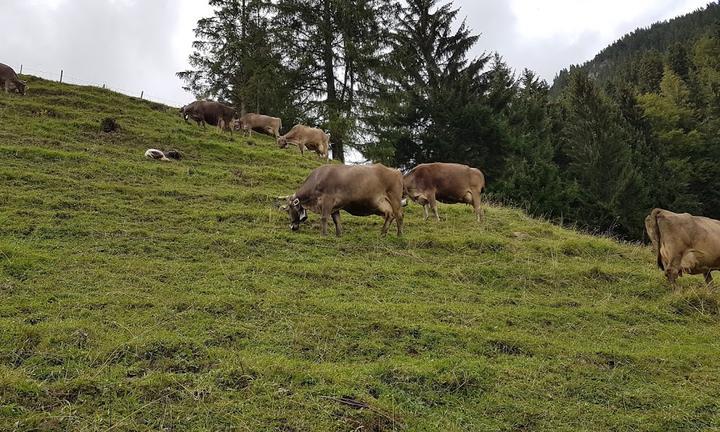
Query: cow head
[[21, 87], [282, 142], [184, 114], [236, 124], [412, 192], [296, 212]]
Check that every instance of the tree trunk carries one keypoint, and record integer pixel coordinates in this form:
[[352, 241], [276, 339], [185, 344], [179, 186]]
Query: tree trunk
[[329, 71]]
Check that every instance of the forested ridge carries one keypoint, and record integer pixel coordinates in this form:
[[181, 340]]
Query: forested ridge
[[617, 60], [634, 129]]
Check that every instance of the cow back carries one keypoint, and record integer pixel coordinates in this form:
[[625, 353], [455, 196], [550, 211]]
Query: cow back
[[447, 180], [353, 186], [7, 73]]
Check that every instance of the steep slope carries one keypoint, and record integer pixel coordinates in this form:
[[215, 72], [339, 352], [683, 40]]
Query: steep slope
[[139, 295], [616, 60]]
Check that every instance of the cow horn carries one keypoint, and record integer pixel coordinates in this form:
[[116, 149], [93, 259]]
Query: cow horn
[[284, 208], [283, 197]]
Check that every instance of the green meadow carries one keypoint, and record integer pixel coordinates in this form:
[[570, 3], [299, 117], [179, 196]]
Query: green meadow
[[138, 295]]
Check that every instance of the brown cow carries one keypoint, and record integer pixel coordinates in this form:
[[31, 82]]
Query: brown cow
[[427, 184], [267, 124], [307, 137], [10, 81], [360, 190], [684, 243], [210, 112]]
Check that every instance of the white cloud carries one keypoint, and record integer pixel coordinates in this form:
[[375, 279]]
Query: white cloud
[[549, 35], [572, 18], [139, 45]]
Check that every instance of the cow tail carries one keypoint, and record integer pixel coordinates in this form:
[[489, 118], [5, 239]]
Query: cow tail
[[656, 228]]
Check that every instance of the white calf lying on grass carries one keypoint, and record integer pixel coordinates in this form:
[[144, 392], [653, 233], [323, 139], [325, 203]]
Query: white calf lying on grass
[[159, 155], [156, 154]]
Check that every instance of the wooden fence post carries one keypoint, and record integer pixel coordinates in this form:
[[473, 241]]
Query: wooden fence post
[[21, 69], [142, 93], [61, 75]]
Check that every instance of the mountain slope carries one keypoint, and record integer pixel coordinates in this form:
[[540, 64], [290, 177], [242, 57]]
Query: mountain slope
[[139, 295], [616, 60]]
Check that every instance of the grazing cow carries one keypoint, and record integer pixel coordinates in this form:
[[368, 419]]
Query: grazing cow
[[684, 243], [361, 190], [307, 137], [10, 81], [427, 184], [210, 112], [267, 124], [156, 154]]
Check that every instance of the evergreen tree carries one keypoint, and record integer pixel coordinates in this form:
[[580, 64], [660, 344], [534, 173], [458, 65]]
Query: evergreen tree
[[597, 146], [331, 45], [531, 177], [649, 72], [673, 123], [679, 60], [429, 101], [234, 60]]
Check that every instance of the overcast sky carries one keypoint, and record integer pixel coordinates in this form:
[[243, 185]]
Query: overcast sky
[[136, 45]]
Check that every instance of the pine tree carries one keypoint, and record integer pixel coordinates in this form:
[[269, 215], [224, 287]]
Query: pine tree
[[428, 104], [679, 60], [235, 61], [597, 146], [531, 178], [331, 44], [649, 72]]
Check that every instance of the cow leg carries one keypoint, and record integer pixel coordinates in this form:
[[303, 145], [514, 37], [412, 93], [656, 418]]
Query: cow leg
[[399, 219], [672, 276], [433, 205], [386, 225], [324, 216], [323, 225], [476, 205], [301, 146], [425, 208], [336, 220]]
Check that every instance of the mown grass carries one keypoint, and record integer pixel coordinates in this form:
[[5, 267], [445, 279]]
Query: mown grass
[[138, 295]]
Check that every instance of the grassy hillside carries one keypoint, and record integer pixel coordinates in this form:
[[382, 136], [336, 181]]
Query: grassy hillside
[[140, 295]]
